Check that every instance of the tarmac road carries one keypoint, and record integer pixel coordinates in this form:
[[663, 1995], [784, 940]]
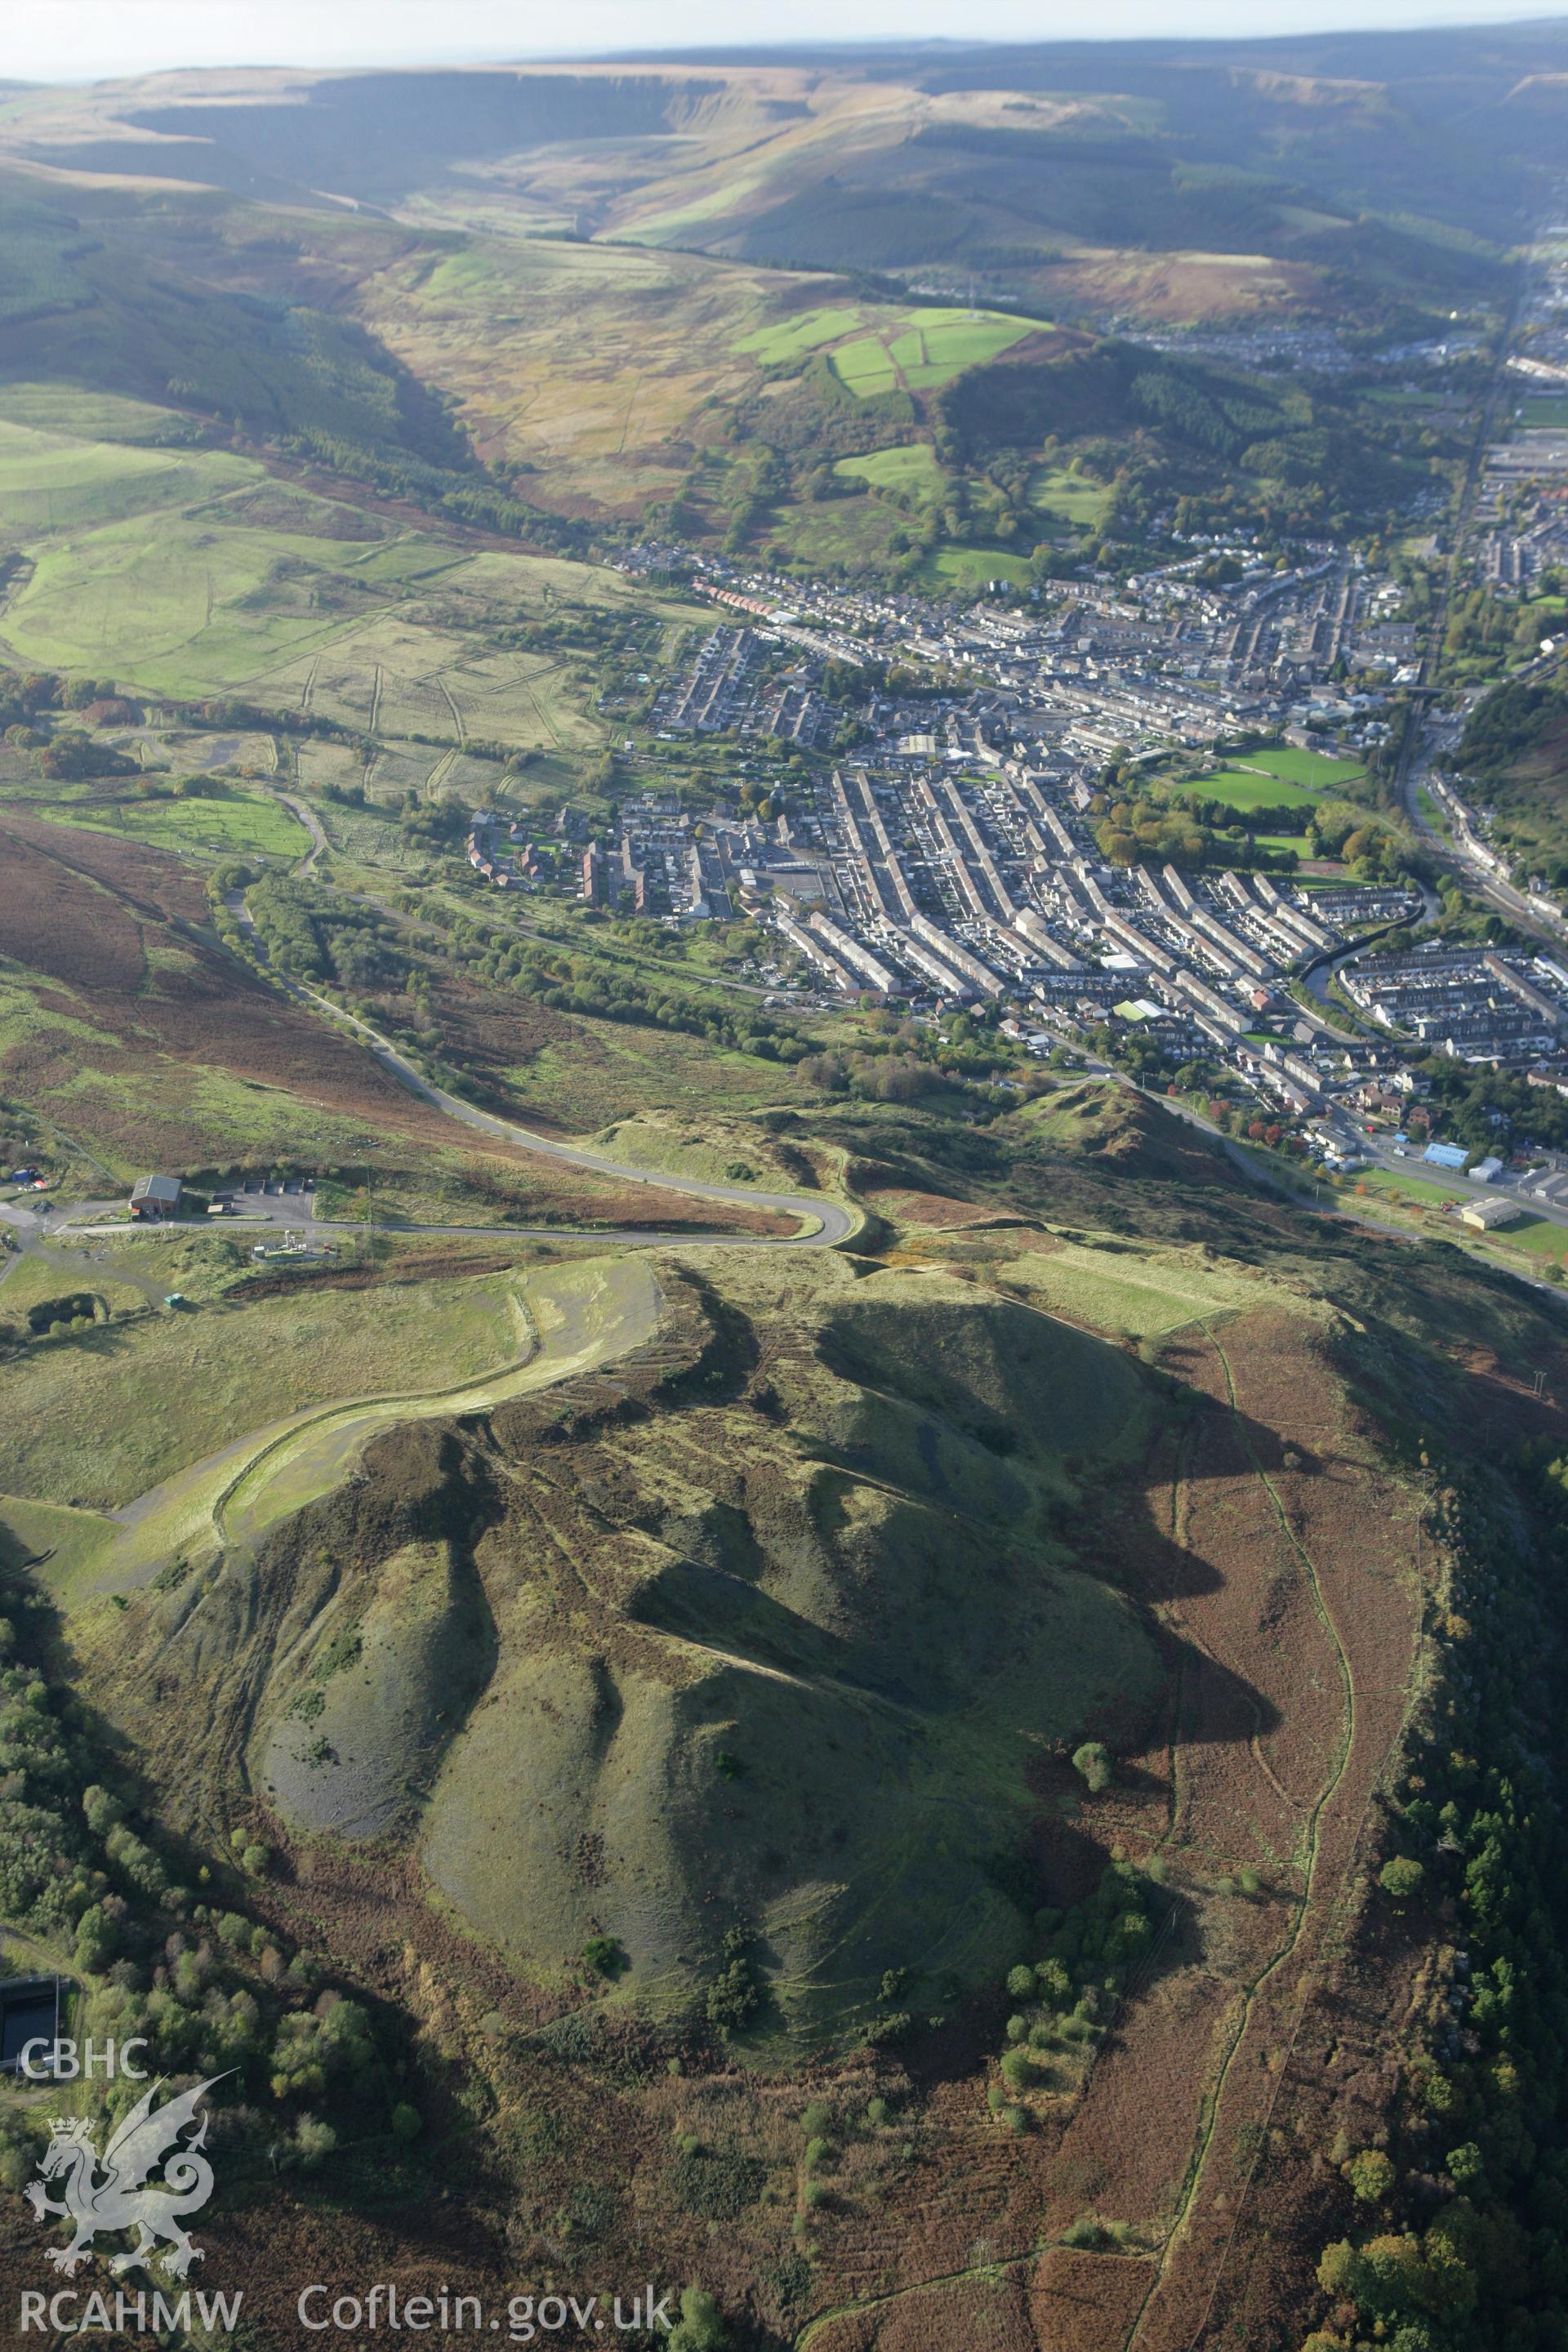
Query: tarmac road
[[835, 1222]]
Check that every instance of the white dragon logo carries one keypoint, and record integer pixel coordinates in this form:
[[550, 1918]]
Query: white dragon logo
[[122, 2200]]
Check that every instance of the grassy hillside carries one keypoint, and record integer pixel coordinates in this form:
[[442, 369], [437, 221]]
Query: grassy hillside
[[563, 389], [794, 1748], [140, 1041], [1240, 176], [197, 573], [878, 1595]]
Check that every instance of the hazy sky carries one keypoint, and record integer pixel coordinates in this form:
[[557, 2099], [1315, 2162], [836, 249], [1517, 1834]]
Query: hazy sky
[[50, 41]]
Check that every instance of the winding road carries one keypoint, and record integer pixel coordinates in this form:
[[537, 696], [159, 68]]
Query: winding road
[[833, 1221]]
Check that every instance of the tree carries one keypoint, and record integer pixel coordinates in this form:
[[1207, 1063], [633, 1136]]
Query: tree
[[1053, 1981], [1093, 1762], [1402, 1877], [700, 2327], [1370, 2176], [314, 2143]]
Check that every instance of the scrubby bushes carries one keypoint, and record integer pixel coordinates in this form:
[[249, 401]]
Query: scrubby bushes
[[1064, 1998], [736, 1994], [1094, 1761], [699, 2329]]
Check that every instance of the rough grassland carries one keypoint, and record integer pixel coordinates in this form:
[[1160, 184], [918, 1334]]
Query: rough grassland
[[148, 1047], [100, 1418], [1115, 1288], [238, 824], [196, 573]]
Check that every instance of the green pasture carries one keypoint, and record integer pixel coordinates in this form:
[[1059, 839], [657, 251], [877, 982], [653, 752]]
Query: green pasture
[[865, 366], [1295, 841], [1070, 496], [937, 345], [186, 600], [1294, 766], [806, 330], [239, 824], [950, 570], [192, 574], [178, 609], [51, 484], [1409, 1188], [1537, 1235], [912, 469], [1240, 790], [84, 415], [874, 348]]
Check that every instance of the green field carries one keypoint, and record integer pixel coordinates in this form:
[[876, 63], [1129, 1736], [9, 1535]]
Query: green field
[[1295, 841], [87, 415], [1280, 777], [951, 569], [197, 575], [875, 350], [912, 469], [1410, 1188], [240, 823], [183, 573], [51, 483], [806, 330], [1295, 766], [1239, 790], [866, 366], [1539, 1235], [1070, 496], [938, 344]]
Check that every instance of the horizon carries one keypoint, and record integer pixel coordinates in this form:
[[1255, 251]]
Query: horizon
[[103, 41]]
